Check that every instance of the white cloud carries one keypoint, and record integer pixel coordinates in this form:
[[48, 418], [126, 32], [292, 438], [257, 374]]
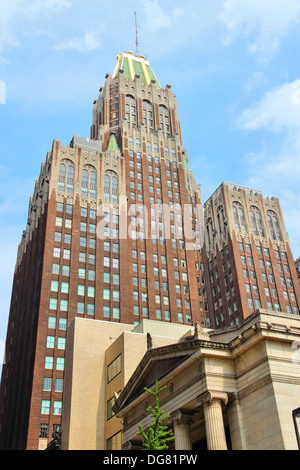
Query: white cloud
[[89, 42], [278, 110], [277, 172], [263, 23], [157, 18], [15, 14]]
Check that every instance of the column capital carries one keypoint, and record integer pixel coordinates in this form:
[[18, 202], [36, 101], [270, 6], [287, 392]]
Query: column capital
[[180, 417], [209, 396]]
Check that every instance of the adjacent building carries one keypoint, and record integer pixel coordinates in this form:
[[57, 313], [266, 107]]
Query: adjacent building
[[248, 258]]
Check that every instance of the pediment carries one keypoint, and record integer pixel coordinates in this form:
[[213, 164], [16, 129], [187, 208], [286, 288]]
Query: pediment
[[155, 365]]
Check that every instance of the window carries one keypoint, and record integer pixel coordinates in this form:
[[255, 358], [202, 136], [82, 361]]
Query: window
[[116, 312], [81, 273], [116, 295], [88, 181], [62, 323], [47, 384], [106, 312], [48, 362], [274, 226], [45, 410], [53, 304], [239, 217], [65, 270], [44, 430], [114, 368], [91, 291], [66, 169], [50, 341], [90, 309], [80, 307], [51, 322], [256, 220], [106, 294], [57, 406], [65, 287], [60, 363], [59, 383], [110, 412], [111, 187], [61, 343]]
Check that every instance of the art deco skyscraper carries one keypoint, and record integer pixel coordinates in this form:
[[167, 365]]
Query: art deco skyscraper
[[248, 257], [111, 235]]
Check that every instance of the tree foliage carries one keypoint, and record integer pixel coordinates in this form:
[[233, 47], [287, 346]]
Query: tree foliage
[[158, 435]]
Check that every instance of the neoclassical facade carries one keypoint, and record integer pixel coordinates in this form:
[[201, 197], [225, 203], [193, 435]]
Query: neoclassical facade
[[225, 389]]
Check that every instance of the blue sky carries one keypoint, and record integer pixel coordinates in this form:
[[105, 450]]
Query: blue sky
[[233, 66]]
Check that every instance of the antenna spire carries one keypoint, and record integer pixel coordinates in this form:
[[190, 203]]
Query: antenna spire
[[136, 36]]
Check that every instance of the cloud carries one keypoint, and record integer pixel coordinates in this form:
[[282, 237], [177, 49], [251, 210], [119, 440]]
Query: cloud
[[278, 110], [263, 23], [15, 15], [276, 166], [89, 42], [157, 18]]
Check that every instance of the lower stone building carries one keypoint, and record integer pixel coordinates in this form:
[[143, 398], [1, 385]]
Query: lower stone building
[[234, 388]]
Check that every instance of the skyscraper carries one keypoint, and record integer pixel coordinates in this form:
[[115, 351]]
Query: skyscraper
[[112, 234], [115, 232], [247, 255]]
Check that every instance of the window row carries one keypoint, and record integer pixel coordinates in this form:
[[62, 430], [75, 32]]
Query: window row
[[58, 385], [57, 407]]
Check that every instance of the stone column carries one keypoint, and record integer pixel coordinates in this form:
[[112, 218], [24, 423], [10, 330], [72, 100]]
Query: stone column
[[214, 425], [181, 427]]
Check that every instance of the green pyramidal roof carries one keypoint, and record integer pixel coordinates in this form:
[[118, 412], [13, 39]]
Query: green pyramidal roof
[[112, 145], [133, 65]]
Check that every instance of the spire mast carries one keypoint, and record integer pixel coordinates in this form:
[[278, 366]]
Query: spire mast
[[136, 36]]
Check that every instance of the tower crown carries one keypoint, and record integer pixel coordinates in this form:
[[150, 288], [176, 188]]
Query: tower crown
[[133, 66]]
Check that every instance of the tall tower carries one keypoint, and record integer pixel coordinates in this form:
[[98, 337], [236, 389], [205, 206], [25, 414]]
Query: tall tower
[[112, 234], [248, 258]]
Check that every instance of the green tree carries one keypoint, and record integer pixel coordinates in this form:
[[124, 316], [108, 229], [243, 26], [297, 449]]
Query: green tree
[[158, 435]]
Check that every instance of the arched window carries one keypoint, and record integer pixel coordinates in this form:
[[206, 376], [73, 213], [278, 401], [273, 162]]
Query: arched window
[[138, 142], [149, 146], [70, 179], [106, 188], [88, 182], [61, 177], [256, 220], [114, 190], [166, 151], [164, 119], [239, 217], [155, 148], [111, 187], [274, 226], [66, 168], [93, 179], [84, 183]]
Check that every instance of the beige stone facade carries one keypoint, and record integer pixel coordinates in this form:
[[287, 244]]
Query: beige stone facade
[[236, 390], [92, 348]]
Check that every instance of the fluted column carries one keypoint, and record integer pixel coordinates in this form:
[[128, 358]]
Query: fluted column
[[181, 426], [214, 425]]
